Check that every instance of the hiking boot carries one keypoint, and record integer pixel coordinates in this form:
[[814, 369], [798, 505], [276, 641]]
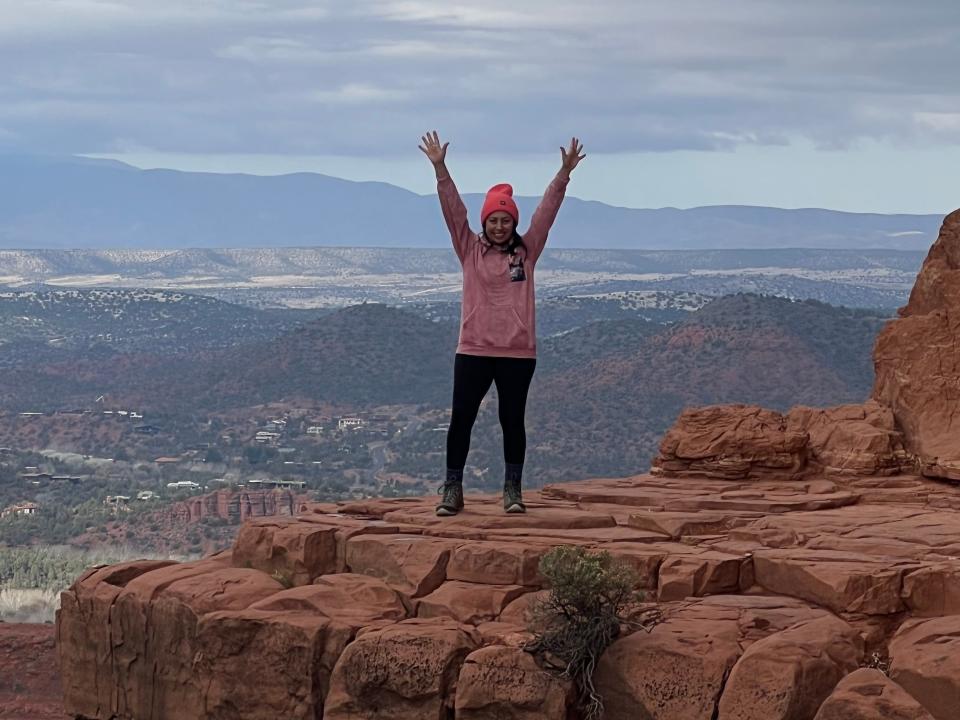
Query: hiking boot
[[452, 501], [512, 499]]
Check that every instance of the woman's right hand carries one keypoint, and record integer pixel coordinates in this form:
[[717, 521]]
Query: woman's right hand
[[432, 149]]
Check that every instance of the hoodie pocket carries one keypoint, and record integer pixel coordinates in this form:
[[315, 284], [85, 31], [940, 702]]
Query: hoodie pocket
[[495, 326]]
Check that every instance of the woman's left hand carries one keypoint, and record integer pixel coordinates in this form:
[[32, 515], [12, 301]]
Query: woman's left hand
[[571, 156]]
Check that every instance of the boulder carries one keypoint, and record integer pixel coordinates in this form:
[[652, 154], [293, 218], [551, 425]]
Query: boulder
[[868, 694], [506, 683], [406, 671], [787, 675], [925, 661], [471, 603], [733, 442], [415, 565], [675, 672], [851, 439], [291, 550], [933, 590], [497, 563]]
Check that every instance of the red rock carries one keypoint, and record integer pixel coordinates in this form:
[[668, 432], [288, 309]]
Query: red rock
[[925, 661], [277, 655], [760, 615], [470, 603], [917, 359], [854, 439], [732, 441], [933, 590], [505, 683], [677, 524], [490, 515], [497, 563], [406, 671], [496, 632], [518, 612], [413, 564], [292, 550], [695, 575], [675, 671], [843, 582], [84, 642], [645, 559], [153, 625], [787, 675], [768, 503], [217, 632], [868, 694], [354, 600]]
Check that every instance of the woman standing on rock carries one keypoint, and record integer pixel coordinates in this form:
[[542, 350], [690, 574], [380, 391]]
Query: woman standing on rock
[[498, 342]]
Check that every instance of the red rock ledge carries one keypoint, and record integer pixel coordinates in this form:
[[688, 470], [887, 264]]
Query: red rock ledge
[[774, 593]]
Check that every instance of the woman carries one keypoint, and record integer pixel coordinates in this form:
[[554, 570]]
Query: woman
[[498, 342]]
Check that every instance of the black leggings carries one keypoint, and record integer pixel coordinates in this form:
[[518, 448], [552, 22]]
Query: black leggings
[[472, 375]]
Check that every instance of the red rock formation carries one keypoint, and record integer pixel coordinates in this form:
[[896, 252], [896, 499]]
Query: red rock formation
[[745, 441], [733, 442], [771, 590], [235, 506], [917, 359], [868, 694]]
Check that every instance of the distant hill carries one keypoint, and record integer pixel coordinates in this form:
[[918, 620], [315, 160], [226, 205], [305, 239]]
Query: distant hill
[[54, 202], [71, 324], [364, 354], [604, 395]]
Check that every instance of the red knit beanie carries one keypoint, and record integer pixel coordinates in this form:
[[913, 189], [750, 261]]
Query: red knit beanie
[[500, 197]]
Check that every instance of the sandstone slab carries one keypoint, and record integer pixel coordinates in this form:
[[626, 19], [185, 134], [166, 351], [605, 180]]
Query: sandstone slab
[[470, 603], [498, 563], [413, 564], [843, 582]]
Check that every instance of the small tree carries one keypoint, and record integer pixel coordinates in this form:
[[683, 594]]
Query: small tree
[[590, 594]]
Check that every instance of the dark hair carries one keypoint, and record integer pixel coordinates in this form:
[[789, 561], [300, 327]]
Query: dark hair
[[516, 241]]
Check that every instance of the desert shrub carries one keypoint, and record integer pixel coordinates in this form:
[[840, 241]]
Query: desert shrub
[[590, 598]]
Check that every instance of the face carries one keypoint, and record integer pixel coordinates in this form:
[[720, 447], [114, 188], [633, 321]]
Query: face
[[499, 227]]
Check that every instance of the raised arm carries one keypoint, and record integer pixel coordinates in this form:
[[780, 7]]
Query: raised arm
[[546, 212], [451, 204]]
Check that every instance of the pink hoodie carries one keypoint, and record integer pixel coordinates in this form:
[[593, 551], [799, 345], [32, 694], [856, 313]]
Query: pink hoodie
[[498, 315]]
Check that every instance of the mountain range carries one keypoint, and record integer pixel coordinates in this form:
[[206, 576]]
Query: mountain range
[[69, 202]]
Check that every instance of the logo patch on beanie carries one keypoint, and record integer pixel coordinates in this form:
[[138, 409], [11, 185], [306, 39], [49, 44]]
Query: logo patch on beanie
[[503, 202]]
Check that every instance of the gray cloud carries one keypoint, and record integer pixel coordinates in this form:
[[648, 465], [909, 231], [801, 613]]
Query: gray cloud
[[369, 77]]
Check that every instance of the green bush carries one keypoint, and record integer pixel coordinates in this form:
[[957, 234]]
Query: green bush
[[581, 615]]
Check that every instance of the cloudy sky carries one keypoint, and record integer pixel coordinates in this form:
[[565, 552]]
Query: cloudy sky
[[847, 104]]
